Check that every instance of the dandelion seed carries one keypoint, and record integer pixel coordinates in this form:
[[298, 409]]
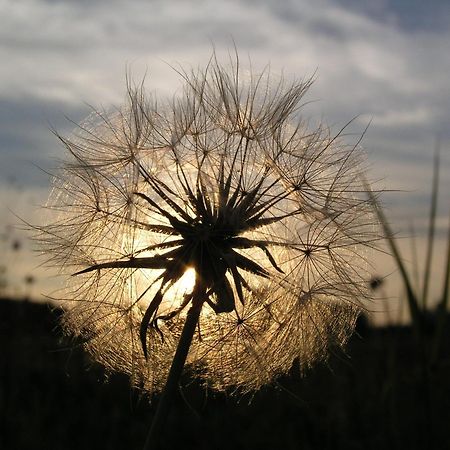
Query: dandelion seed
[[223, 203]]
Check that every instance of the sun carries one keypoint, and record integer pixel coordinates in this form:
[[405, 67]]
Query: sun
[[186, 283], [174, 296]]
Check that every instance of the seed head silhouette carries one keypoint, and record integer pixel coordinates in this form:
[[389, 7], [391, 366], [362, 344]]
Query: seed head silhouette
[[215, 229]]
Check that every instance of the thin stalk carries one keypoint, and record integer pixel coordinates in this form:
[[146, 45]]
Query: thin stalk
[[415, 259], [176, 369], [442, 305], [445, 290], [413, 304], [431, 228]]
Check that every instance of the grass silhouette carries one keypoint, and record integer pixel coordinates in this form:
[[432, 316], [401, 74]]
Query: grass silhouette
[[53, 396]]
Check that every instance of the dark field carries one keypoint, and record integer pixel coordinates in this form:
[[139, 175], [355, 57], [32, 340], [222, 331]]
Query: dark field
[[379, 396]]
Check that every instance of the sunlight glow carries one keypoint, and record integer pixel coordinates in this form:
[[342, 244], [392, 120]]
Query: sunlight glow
[[146, 280], [185, 284], [174, 296]]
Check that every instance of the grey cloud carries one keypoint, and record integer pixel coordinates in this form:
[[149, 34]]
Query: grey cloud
[[61, 53], [26, 139], [411, 16], [384, 59]]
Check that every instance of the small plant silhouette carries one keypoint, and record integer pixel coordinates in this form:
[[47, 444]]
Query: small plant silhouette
[[213, 232]]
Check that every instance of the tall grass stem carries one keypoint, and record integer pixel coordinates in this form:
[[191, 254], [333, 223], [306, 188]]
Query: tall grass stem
[[431, 228], [442, 306], [413, 304]]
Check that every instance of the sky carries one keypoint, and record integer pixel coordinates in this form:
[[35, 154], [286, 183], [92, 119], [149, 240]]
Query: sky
[[382, 62]]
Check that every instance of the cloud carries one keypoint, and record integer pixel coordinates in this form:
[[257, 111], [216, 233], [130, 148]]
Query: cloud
[[26, 138], [78, 50], [67, 53], [411, 16], [385, 61]]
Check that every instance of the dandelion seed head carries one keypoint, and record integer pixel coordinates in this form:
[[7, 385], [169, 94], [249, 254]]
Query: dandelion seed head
[[224, 188]]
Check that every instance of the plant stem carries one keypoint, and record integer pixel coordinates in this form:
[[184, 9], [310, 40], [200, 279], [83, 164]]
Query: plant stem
[[431, 228], [414, 307], [176, 369]]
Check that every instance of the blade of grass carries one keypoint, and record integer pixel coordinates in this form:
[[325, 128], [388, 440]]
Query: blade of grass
[[413, 304], [442, 305], [445, 291], [431, 228], [415, 259]]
